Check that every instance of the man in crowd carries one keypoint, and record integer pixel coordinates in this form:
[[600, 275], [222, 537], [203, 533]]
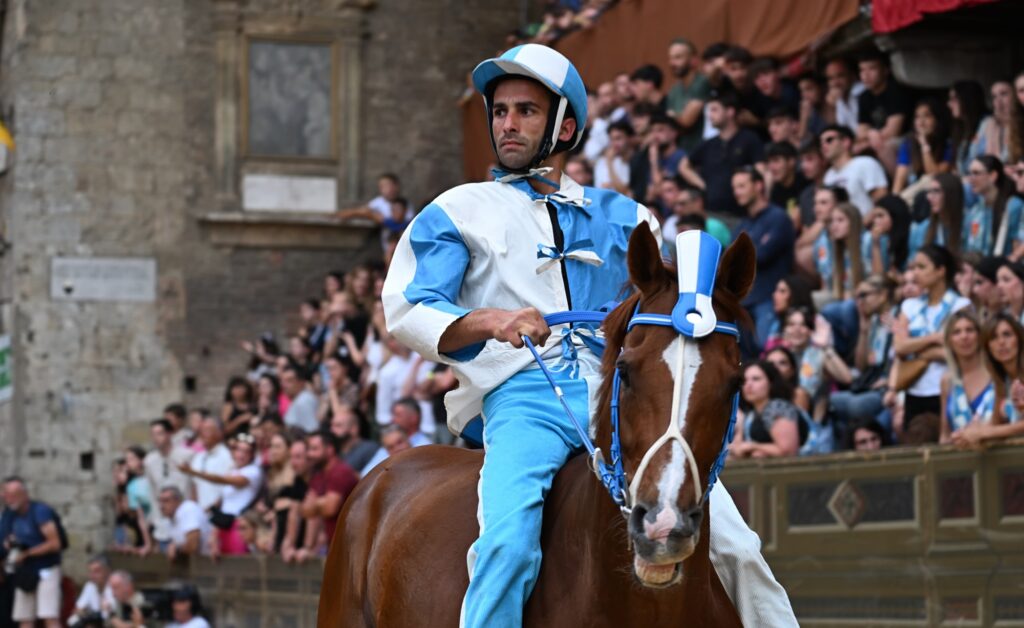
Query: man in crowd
[[127, 609], [389, 189], [295, 534], [604, 104], [30, 539], [689, 92], [661, 159], [393, 439], [314, 327], [402, 367], [215, 459], [772, 232], [580, 171], [302, 409], [752, 105], [177, 416], [406, 413], [97, 596], [882, 108], [812, 167], [787, 182], [784, 125], [645, 83], [330, 486], [843, 94], [612, 169], [709, 168], [162, 465], [862, 177], [355, 451], [190, 525], [777, 91], [713, 68], [690, 202], [185, 609]]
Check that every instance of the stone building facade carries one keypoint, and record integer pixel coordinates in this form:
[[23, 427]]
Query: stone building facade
[[133, 260]]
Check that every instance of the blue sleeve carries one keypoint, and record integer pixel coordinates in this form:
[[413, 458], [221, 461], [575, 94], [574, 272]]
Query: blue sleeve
[[423, 284], [903, 158]]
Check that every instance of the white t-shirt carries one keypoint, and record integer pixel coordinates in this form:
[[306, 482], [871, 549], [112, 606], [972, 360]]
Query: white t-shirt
[[859, 176], [234, 500], [930, 383], [302, 412], [162, 471], [390, 378], [603, 173], [847, 108], [216, 461], [90, 600], [195, 622], [188, 517], [597, 140]]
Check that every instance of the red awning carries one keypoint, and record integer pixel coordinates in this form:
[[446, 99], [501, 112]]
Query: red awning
[[891, 15]]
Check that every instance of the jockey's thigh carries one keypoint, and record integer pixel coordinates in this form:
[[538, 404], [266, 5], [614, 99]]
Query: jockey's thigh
[[736, 554]]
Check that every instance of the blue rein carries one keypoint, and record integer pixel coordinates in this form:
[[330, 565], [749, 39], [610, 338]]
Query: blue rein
[[612, 474]]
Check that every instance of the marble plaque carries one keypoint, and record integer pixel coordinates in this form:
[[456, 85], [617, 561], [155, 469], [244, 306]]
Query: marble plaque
[[103, 279], [278, 193]]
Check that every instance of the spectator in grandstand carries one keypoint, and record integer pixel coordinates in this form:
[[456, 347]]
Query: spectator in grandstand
[[882, 108], [611, 169], [864, 397], [354, 450], [784, 126], [812, 107], [96, 597], [984, 294], [403, 368], [389, 189], [967, 391], [772, 233], [843, 94], [689, 92], [274, 504], [770, 425], [868, 435], [996, 131], [177, 416], [1010, 287], [787, 183], [314, 328], [917, 332], [133, 503], [600, 110], [662, 158], [237, 411], [786, 364], [162, 469], [190, 527], [295, 530], [926, 150], [779, 92], [126, 611], [752, 105], [711, 165], [645, 83], [185, 609], [793, 291], [862, 177], [845, 233], [812, 167], [302, 403], [992, 223], [215, 459], [1003, 338], [330, 486], [820, 364], [886, 231], [580, 171], [813, 248], [966, 105], [340, 390], [944, 224]]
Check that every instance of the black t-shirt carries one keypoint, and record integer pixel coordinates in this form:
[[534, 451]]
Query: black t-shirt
[[715, 160], [873, 110], [806, 200], [788, 196]]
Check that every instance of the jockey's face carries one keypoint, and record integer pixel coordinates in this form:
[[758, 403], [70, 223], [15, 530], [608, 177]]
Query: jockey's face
[[519, 118]]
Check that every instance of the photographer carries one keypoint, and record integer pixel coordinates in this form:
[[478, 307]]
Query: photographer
[[31, 552], [96, 600], [127, 611]]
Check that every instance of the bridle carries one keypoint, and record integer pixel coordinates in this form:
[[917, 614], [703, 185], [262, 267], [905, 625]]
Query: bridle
[[693, 317]]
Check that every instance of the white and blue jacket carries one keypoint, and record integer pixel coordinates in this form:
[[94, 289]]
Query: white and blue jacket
[[496, 245]]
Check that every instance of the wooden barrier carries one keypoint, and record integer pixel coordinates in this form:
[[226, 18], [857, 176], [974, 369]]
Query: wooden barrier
[[901, 537]]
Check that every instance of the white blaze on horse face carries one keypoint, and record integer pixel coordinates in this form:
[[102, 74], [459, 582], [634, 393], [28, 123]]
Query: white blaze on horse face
[[673, 476]]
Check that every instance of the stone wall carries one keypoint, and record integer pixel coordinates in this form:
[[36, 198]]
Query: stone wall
[[113, 104]]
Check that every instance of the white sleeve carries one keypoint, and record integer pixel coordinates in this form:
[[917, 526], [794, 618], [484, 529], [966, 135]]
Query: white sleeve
[[874, 175]]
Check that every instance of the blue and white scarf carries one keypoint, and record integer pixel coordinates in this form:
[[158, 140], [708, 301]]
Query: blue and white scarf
[[960, 410]]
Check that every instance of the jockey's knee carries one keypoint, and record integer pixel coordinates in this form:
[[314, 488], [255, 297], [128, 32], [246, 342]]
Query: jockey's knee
[[515, 552]]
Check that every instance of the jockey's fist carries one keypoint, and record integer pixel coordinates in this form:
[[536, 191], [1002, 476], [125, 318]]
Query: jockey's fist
[[511, 325]]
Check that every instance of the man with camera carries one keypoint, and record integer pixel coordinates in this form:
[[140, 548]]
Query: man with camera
[[31, 551], [127, 611]]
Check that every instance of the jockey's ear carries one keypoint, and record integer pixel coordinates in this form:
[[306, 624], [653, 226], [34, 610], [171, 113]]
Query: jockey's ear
[[646, 270], [738, 266]]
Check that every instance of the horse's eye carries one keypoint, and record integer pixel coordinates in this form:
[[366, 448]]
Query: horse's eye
[[623, 369]]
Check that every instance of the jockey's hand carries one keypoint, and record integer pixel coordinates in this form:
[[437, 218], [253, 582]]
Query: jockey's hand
[[511, 325]]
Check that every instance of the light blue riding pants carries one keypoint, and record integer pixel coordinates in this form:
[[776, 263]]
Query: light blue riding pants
[[527, 439]]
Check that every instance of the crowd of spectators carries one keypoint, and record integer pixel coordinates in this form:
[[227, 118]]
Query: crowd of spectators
[[889, 296], [558, 18]]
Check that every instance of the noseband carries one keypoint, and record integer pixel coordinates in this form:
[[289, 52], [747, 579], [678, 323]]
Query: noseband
[[693, 317]]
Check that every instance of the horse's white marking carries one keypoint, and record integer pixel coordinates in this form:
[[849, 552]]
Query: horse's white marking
[[673, 475], [671, 481]]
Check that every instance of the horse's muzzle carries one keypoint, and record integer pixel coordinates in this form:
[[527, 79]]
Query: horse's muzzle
[[663, 535]]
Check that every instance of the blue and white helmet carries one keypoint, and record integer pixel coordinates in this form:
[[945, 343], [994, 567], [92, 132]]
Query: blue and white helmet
[[553, 70]]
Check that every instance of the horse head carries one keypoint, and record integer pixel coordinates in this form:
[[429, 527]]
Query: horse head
[[661, 370]]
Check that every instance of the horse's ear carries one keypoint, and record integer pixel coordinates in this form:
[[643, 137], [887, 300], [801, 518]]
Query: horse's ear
[[646, 270], [738, 266]]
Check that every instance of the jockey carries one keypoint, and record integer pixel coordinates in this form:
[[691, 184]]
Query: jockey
[[476, 270]]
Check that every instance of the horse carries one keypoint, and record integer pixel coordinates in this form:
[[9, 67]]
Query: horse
[[398, 558]]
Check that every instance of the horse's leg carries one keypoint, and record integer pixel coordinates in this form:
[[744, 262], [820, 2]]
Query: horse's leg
[[756, 595]]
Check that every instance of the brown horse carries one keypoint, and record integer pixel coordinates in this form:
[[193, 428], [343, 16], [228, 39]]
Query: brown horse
[[399, 555]]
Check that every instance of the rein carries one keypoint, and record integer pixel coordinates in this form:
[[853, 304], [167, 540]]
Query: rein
[[693, 318]]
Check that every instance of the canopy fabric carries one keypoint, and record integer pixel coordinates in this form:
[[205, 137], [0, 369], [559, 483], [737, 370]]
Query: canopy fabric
[[635, 32], [891, 15]]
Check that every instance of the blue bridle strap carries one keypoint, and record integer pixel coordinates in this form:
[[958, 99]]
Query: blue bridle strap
[[612, 474]]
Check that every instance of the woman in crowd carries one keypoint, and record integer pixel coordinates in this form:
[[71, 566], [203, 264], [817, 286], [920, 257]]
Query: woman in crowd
[[868, 435], [864, 397], [845, 231], [1010, 286], [239, 491], [792, 291], [334, 282], [988, 228], [133, 503], [1003, 339], [884, 243], [770, 426], [927, 149], [786, 364], [944, 224], [359, 286], [813, 251], [967, 107], [1016, 143], [820, 365], [339, 389], [917, 332], [239, 406], [274, 504], [995, 131], [300, 355], [967, 391]]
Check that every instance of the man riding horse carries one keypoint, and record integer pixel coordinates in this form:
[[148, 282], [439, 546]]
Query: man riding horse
[[473, 276]]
